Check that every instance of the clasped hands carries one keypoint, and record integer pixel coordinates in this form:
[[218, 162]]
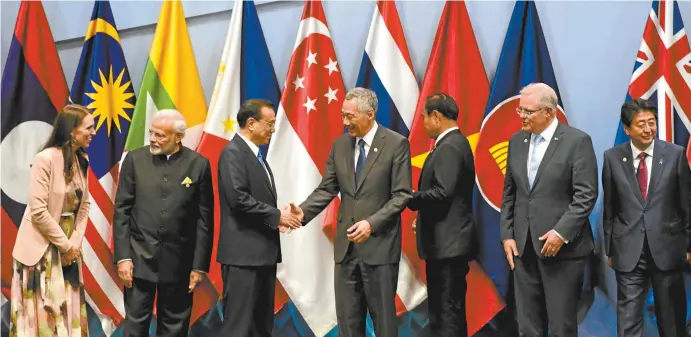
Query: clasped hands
[[70, 256], [291, 218]]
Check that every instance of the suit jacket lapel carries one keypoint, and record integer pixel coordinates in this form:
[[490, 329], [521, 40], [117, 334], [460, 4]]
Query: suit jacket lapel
[[655, 168], [257, 164], [374, 150], [630, 170], [271, 175], [553, 144], [428, 159], [350, 163], [522, 157]]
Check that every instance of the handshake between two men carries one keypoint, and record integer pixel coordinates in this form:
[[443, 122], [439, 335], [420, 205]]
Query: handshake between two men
[[292, 216]]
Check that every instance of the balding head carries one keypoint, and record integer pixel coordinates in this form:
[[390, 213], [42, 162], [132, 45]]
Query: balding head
[[166, 132], [537, 107], [546, 96]]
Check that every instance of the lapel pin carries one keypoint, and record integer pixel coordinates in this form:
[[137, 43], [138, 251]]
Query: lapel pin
[[525, 140], [624, 159], [660, 161], [555, 138], [375, 149]]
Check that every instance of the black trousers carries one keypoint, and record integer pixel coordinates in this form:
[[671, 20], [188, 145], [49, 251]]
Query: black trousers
[[446, 291], [669, 295], [173, 308], [361, 287], [248, 300], [547, 293]]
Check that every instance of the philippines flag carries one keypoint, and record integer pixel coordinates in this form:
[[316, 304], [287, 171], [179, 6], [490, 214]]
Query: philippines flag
[[245, 72], [308, 121], [387, 69], [33, 91], [524, 59], [102, 83], [662, 73]]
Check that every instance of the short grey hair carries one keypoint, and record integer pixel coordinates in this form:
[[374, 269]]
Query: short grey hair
[[547, 95], [366, 99], [179, 123]]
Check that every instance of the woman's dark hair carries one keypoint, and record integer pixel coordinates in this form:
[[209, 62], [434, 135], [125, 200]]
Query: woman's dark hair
[[61, 137]]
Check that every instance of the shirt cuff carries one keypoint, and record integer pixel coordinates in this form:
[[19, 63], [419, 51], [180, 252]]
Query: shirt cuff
[[561, 237], [123, 260], [199, 271]]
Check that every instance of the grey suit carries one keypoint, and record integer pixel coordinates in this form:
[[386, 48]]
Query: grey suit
[[366, 274], [562, 197], [647, 239]]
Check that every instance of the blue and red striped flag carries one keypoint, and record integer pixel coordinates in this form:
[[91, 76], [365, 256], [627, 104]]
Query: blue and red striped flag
[[387, 69]]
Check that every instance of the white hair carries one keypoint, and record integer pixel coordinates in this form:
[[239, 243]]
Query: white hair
[[366, 99], [179, 123], [547, 95]]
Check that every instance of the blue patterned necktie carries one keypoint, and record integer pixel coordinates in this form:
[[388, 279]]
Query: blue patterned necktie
[[360, 161], [261, 159], [534, 161]]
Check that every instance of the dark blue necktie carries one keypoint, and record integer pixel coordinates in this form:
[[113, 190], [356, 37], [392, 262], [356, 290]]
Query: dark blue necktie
[[360, 161], [261, 160]]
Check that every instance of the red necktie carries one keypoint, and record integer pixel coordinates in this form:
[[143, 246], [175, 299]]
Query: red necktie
[[643, 175]]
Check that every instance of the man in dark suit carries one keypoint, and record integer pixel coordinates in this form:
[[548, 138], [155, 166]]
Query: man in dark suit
[[163, 228], [647, 223], [550, 189], [370, 166], [444, 227], [249, 246]]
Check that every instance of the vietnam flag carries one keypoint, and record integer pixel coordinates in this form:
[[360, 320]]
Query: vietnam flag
[[455, 67]]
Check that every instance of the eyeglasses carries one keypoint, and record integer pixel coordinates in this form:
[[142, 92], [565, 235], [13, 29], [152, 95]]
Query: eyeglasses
[[269, 124], [521, 111]]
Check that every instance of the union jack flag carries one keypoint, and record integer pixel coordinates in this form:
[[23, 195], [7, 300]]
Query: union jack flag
[[662, 73]]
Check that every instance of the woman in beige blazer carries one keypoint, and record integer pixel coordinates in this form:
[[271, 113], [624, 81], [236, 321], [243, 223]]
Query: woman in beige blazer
[[47, 286]]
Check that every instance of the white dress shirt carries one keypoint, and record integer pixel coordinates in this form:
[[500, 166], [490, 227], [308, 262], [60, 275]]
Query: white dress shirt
[[648, 160], [547, 136], [255, 150], [436, 141], [368, 138]]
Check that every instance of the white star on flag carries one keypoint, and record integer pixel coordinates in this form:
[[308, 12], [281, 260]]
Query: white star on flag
[[298, 82], [331, 66], [311, 59], [331, 95], [310, 104]]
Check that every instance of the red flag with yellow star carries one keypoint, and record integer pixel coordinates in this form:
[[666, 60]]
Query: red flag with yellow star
[[455, 67]]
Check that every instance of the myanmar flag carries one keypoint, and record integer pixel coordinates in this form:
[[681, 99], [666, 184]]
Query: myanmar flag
[[170, 81]]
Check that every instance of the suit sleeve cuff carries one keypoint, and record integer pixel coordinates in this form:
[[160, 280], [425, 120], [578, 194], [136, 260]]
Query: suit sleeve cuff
[[561, 237]]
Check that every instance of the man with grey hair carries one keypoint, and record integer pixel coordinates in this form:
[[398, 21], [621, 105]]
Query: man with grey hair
[[550, 189], [162, 228], [370, 166]]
